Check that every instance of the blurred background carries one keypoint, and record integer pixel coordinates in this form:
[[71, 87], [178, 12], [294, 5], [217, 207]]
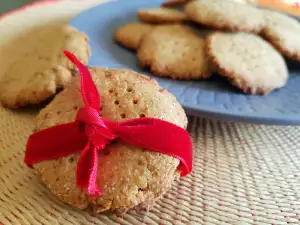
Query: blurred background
[[288, 6], [7, 5]]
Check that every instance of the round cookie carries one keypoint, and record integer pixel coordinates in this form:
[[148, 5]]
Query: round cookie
[[130, 176], [130, 35], [161, 15], [247, 61], [37, 75], [226, 15], [244, 1], [174, 2], [174, 51], [283, 32]]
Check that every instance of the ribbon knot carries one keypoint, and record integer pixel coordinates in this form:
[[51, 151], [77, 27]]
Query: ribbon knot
[[94, 126], [90, 133]]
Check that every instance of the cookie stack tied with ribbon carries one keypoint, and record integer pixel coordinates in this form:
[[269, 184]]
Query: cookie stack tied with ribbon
[[119, 152]]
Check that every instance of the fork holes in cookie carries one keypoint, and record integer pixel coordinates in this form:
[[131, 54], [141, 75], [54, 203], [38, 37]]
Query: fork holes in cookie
[[107, 74], [142, 115], [123, 116], [58, 112], [106, 151], [111, 90], [129, 89], [55, 70], [141, 163], [135, 101], [71, 160], [117, 102]]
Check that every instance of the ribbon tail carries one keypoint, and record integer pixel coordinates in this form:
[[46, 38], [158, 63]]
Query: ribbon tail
[[55, 142], [89, 90], [87, 167], [160, 136]]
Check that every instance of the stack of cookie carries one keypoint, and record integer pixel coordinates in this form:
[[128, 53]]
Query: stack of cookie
[[238, 41], [182, 2], [130, 176]]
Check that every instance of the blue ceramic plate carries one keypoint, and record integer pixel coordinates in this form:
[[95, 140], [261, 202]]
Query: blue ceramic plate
[[214, 98]]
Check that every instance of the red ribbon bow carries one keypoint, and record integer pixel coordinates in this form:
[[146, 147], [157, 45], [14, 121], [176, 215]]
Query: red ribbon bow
[[90, 133]]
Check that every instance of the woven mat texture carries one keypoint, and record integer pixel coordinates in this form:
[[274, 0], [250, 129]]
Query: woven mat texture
[[243, 174]]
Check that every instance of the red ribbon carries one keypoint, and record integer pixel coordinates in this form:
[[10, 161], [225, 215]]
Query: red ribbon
[[90, 133]]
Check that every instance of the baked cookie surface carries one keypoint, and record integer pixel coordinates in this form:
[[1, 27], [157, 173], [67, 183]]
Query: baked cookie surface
[[130, 35], [161, 15], [283, 32], [169, 3], [247, 61], [174, 51], [226, 15], [130, 176], [38, 74]]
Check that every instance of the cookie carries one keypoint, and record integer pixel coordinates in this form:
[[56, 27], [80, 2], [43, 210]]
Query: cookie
[[244, 1], [174, 2], [37, 75], [283, 32], [161, 15], [226, 15], [129, 176], [174, 51], [130, 35], [247, 61]]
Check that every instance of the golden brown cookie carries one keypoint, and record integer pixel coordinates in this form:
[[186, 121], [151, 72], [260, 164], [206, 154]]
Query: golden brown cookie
[[247, 61], [225, 14], [283, 32], [161, 15], [130, 176], [38, 74], [175, 2], [174, 51], [244, 1], [130, 35]]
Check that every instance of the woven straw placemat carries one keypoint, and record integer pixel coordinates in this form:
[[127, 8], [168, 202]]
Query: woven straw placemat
[[243, 174]]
